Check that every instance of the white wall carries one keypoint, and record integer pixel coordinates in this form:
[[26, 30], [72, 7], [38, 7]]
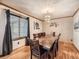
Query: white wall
[[32, 30], [76, 32], [18, 43], [65, 27]]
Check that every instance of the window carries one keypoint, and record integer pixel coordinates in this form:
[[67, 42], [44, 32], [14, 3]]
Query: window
[[23, 27], [19, 26]]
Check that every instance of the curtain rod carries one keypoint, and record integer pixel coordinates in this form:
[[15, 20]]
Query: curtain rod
[[16, 14]]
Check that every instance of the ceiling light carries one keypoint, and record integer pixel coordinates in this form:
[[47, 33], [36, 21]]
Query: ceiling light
[[47, 16]]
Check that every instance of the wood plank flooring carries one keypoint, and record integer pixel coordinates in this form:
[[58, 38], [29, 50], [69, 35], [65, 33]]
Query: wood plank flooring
[[66, 51]]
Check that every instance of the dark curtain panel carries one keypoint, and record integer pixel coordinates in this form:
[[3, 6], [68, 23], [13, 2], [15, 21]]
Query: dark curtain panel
[[28, 35], [28, 27], [7, 41]]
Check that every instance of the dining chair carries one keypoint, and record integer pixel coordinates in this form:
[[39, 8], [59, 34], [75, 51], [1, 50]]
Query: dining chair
[[56, 46], [44, 34], [27, 41], [39, 35], [52, 51], [35, 36], [37, 50], [54, 34], [59, 35], [58, 41]]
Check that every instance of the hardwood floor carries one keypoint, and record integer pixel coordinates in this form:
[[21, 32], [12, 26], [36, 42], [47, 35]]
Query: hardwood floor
[[66, 51]]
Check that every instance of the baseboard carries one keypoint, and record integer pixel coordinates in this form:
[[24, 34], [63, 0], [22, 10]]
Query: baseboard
[[65, 41]]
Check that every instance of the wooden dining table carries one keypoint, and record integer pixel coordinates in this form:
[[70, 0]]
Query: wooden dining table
[[47, 41]]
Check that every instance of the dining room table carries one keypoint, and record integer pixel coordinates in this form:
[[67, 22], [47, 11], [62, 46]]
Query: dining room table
[[47, 41]]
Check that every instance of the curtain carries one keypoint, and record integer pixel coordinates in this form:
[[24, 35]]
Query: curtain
[[28, 34], [28, 27], [7, 40]]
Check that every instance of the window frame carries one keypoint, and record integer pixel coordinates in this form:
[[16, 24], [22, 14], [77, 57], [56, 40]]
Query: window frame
[[28, 28]]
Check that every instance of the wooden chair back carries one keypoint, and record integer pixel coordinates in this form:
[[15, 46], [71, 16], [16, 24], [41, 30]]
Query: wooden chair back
[[34, 46]]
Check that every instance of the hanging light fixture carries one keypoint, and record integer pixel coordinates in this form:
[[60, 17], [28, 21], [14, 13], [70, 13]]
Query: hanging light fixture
[[47, 16]]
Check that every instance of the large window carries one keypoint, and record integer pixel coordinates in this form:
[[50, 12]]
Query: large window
[[19, 26]]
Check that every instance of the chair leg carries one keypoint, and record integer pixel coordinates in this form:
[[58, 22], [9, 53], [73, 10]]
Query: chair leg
[[48, 56], [51, 56], [55, 53], [44, 56], [31, 56]]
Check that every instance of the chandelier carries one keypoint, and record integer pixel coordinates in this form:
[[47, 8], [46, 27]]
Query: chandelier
[[47, 16]]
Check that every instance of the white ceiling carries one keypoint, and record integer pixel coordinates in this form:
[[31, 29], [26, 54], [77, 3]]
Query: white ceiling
[[37, 8]]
